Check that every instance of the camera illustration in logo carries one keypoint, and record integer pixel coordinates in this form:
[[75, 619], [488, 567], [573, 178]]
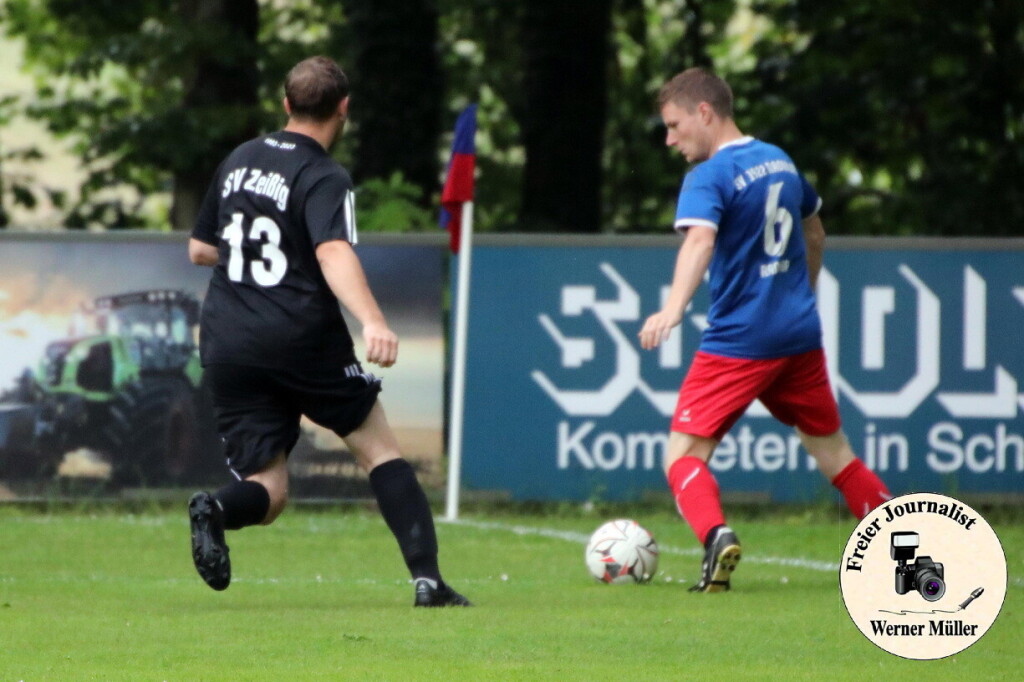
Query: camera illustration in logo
[[923, 575]]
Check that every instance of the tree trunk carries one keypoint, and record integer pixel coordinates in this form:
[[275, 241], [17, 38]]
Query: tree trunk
[[223, 92], [397, 90], [566, 52], [694, 47]]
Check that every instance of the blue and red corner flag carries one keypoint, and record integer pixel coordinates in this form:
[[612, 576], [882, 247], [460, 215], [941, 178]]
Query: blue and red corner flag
[[458, 186]]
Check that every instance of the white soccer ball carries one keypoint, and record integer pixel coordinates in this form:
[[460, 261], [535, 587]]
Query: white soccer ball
[[622, 551]]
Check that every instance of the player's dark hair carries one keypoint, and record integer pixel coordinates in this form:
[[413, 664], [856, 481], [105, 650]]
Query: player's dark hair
[[696, 85], [314, 88]]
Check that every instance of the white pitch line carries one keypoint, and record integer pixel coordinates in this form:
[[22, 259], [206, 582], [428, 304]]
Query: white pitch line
[[581, 538]]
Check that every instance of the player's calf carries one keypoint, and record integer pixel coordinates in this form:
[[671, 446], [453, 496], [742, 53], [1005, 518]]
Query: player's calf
[[862, 489]]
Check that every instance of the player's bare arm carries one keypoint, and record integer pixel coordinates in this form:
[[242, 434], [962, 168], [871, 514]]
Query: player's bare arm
[[201, 253], [691, 264], [814, 237], [345, 276]]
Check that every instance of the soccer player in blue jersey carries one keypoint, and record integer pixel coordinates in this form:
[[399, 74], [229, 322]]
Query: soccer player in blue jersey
[[750, 216]]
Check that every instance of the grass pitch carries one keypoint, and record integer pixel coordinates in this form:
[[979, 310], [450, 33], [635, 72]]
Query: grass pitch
[[323, 595]]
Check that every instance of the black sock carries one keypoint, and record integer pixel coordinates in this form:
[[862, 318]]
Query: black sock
[[244, 503], [405, 509]]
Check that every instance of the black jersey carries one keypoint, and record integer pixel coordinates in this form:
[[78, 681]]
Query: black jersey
[[273, 201]]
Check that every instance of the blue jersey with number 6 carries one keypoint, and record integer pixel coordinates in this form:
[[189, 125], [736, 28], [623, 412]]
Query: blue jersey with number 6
[[762, 305]]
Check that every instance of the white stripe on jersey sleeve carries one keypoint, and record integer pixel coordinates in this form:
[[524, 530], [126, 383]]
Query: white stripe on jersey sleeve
[[350, 217], [817, 208], [690, 222]]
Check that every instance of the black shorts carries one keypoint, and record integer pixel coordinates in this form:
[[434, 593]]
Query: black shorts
[[258, 409]]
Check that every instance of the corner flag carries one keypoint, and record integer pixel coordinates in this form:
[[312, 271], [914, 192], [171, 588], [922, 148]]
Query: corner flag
[[458, 186], [457, 218]]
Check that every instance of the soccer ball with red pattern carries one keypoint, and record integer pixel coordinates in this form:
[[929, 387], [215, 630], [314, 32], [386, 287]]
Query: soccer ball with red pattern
[[622, 551]]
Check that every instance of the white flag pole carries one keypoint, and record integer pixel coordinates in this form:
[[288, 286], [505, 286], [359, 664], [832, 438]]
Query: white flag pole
[[459, 363]]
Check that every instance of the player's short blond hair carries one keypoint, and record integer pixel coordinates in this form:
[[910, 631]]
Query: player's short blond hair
[[315, 87], [696, 85]]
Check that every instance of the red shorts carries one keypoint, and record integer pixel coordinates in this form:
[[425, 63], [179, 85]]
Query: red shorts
[[718, 390]]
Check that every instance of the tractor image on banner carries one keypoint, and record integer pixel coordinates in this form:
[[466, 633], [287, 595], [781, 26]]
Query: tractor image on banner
[[101, 386], [125, 386]]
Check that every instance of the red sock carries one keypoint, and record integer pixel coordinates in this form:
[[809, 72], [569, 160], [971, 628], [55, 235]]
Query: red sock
[[696, 492], [862, 489]]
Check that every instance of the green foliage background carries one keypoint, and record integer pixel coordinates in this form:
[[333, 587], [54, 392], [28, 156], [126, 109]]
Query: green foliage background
[[908, 116]]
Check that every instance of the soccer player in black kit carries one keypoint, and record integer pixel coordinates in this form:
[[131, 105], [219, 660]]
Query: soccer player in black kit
[[277, 226]]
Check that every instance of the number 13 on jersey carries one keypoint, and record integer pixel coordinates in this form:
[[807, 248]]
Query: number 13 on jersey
[[272, 264]]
